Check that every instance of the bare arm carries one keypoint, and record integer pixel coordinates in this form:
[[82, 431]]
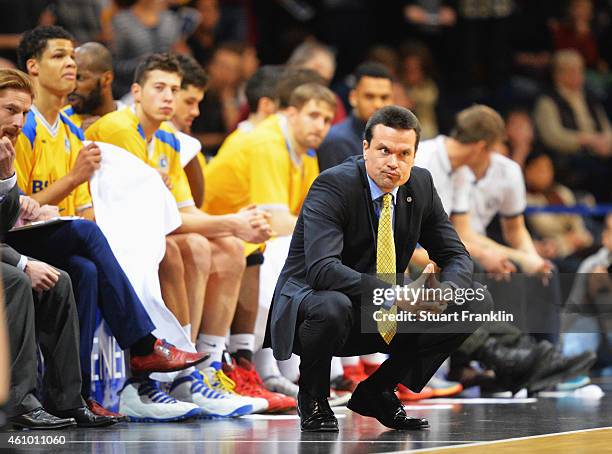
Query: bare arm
[[281, 221], [486, 251], [196, 221], [516, 234], [249, 224], [193, 170], [87, 162]]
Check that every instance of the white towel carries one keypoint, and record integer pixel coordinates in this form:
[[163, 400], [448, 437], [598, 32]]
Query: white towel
[[190, 147], [135, 211], [275, 255]]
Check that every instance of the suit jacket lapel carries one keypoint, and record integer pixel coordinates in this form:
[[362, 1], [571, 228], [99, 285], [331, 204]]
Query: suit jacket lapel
[[367, 201], [403, 214]]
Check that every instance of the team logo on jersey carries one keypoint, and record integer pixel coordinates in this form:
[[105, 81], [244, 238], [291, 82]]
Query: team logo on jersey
[[66, 145], [163, 162]]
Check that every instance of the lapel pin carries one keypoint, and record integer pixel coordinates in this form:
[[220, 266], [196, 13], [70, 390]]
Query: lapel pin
[[408, 199]]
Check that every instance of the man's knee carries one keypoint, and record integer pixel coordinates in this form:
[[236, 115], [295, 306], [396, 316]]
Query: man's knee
[[86, 229], [84, 270], [63, 286], [229, 253], [172, 256], [334, 309], [197, 251], [16, 283]]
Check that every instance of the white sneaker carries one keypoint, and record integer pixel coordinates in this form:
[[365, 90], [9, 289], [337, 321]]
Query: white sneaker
[[281, 384], [144, 401], [192, 388], [217, 380]]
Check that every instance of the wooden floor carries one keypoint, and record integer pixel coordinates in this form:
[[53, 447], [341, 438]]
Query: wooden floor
[[543, 425]]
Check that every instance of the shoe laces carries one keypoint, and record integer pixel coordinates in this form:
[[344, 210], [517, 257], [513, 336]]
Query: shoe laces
[[220, 382], [249, 381], [152, 390], [201, 385]]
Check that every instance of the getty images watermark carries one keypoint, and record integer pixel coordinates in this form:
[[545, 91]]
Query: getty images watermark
[[425, 304]]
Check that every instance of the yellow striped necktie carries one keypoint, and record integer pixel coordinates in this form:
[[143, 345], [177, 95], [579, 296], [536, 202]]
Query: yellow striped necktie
[[385, 264]]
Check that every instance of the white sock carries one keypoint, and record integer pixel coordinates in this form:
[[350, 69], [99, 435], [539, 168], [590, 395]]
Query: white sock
[[187, 329], [350, 360], [265, 363], [241, 342], [213, 345], [290, 368], [336, 368]]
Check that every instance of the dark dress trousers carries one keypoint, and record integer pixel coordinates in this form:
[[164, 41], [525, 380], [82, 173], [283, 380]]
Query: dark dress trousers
[[50, 316], [331, 266]]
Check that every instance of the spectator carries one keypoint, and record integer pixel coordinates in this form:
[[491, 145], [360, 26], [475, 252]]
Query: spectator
[[574, 126], [16, 17], [319, 58], [390, 58], [520, 135], [591, 295], [373, 90], [202, 42], [576, 33], [81, 18], [145, 28], [484, 62], [433, 22], [416, 76], [532, 48], [219, 110], [561, 235]]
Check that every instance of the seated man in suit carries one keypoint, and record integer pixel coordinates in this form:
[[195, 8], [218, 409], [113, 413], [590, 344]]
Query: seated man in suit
[[39, 299], [362, 217]]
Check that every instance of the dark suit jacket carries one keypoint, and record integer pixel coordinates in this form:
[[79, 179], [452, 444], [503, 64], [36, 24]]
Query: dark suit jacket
[[334, 243], [9, 212], [344, 140]]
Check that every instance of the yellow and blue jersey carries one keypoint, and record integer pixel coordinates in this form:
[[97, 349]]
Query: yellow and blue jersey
[[74, 117], [122, 128], [47, 153], [257, 168]]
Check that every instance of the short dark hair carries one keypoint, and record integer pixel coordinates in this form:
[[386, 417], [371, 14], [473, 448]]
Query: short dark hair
[[193, 73], [371, 69], [290, 79], [34, 42], [536, 154], [163, 62], [395, 117], [262, 84]]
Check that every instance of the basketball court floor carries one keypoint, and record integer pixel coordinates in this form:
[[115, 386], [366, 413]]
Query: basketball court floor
[[556, 424]]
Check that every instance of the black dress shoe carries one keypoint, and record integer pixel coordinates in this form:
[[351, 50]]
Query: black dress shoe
[[385, 407], [84, 417], [40, 419], [315, 414]]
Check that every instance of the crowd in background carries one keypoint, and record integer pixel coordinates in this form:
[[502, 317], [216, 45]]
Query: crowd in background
[[545, 66]]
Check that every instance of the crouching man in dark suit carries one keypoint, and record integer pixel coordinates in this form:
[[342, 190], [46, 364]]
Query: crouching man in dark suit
[[359, 225]]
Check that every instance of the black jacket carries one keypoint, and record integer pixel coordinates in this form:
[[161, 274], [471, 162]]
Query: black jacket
[[9, 212], [334, 243]]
